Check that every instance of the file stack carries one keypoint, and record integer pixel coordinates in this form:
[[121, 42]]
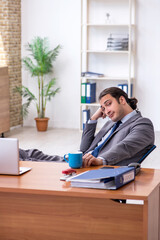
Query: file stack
[[124, 87], [85, 117], [117, 42], [92, 74], [88, 92]]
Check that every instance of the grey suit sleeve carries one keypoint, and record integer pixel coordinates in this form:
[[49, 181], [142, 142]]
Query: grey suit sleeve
[[140, 135], [88, 136]]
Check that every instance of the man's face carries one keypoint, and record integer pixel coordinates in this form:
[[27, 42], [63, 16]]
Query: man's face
[[111, 108]]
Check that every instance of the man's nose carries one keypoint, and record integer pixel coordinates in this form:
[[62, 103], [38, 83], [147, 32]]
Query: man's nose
[[107, 111]]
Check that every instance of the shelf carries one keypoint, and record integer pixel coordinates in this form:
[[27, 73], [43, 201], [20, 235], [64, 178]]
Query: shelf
[[117, 66], [105, 51], [91, 104], [106, 78], [106, 25]]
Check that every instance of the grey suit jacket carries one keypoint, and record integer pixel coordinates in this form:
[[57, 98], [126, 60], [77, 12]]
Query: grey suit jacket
[[127, 144]]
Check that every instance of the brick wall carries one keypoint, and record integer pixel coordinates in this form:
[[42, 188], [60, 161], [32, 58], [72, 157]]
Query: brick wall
[[10, 52]]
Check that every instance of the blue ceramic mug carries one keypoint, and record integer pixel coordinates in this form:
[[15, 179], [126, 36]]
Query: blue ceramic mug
[[74, 159]]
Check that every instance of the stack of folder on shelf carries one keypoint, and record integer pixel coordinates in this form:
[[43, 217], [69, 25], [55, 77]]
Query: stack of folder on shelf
[[117, 42], [124, 87], [88, 92], [85, 117], [91, 74], [104, 178]]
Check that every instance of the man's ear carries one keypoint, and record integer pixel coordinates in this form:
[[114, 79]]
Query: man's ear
[[122, 100]]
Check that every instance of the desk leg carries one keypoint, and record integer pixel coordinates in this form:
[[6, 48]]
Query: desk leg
[[151, 215]]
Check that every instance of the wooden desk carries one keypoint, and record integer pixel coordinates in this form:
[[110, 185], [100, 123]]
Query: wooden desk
[[37, 205]]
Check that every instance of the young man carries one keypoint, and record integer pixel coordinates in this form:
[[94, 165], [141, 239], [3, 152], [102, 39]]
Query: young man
[[121, 143], [118, 144]]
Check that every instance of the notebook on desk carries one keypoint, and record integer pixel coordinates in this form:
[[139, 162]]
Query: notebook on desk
[[9, 157]]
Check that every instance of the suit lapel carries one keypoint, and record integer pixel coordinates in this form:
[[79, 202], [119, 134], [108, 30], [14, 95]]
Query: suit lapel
[[130, 120], [104, 130], [107, 127], [101, 134]]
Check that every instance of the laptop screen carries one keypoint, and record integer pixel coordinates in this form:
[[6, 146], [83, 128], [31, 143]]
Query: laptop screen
[[9, 156]]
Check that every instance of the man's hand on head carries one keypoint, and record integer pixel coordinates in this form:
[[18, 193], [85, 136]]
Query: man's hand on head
[[98, 114], [90, 160]]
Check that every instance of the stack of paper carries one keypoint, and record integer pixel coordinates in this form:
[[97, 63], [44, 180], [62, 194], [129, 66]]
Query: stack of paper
[[117, 42], [92, 74]]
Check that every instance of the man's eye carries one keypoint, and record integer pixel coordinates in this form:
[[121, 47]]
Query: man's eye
[[108, 104]]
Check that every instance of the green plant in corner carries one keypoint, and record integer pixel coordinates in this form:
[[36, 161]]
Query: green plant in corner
[[40, 64]]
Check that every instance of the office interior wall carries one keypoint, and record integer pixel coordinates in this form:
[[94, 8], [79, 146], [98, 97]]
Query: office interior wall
[[59, 20], [148, 59]]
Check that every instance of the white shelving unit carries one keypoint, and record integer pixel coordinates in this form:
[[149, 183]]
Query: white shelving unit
[[117, 66]]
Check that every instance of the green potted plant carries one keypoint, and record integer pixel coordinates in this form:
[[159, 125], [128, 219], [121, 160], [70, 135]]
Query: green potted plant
[[40, 64]]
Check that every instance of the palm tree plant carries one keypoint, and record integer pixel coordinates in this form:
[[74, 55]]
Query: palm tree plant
[[39, 63]]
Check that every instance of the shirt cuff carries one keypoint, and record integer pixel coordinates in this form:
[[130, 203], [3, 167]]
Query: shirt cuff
[[92, 121], [104, 161]]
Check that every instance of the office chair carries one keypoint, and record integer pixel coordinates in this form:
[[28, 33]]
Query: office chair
[[137, 165], [138, 168], [147, 153]]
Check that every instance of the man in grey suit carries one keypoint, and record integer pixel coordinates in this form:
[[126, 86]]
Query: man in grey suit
[[133, 135], [131, 139]]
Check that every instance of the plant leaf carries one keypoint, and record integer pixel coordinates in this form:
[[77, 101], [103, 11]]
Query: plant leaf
[[49, 90], [42, 57], [28, 96]]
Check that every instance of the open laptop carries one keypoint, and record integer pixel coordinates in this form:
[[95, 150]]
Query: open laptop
[[9, 157]]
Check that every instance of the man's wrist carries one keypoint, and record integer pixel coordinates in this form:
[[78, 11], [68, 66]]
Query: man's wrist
[[92, 121], [104, 162]]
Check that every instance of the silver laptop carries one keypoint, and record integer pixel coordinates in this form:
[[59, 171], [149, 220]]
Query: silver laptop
[[9, 157]]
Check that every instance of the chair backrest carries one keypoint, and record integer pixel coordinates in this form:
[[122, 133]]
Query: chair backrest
[[147, 153]]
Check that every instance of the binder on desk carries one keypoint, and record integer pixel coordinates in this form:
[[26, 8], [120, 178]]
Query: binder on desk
[[83, 92], [104, 178], [90, 92], [85, 117]]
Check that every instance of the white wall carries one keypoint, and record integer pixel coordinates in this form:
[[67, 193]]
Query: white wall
[[59, 20], [148, 59]]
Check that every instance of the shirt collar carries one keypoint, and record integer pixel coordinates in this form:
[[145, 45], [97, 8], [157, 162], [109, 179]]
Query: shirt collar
[[128, 116]]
